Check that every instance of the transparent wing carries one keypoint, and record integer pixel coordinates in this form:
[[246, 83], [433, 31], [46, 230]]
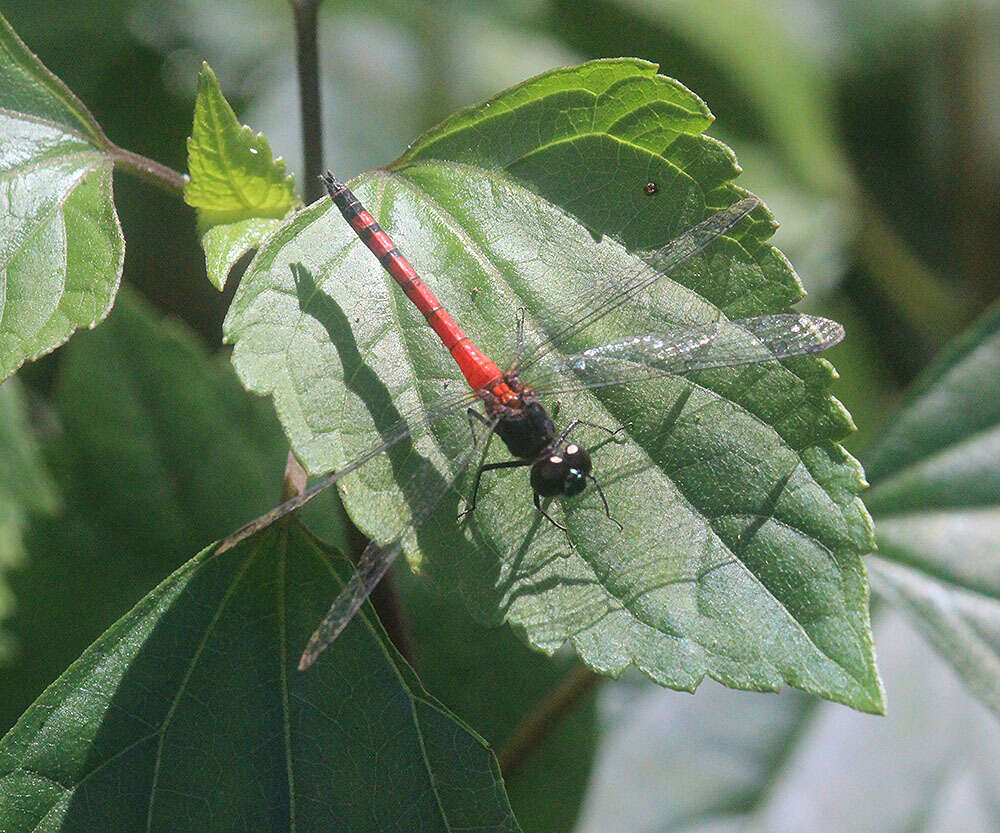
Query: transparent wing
[[616, 290], [718, 344], [376, 560], [413, 423]]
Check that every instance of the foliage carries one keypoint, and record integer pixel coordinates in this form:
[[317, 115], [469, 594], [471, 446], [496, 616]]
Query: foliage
[[241, 192], [133, 448], [25, 489], [936, 497], [144, 729]]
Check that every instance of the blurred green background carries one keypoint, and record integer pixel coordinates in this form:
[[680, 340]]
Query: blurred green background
[[872, 131]]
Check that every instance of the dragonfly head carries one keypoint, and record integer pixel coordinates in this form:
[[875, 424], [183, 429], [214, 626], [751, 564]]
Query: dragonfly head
[[561, 473]]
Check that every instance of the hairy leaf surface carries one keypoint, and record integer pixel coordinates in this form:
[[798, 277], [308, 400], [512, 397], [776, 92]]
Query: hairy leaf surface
[[740, 557]]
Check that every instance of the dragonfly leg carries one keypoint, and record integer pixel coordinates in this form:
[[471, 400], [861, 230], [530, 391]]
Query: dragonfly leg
[[472, 414], [576, 423], [507, 464], [551, 520], [604, 500], [519, 347]]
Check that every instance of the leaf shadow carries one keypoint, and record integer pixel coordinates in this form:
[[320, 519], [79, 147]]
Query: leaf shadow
[[452, 555], [358, 376]]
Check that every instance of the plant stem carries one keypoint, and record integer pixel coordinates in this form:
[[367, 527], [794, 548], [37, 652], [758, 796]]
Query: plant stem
[[160, 175], [552, 708], [973, 188], [307, 52], [294, 483]]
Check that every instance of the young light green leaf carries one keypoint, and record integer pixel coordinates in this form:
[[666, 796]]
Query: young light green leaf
[[227, 243], [189, 711], [61, 247], [240, 191], [936, 500], [740, 557]]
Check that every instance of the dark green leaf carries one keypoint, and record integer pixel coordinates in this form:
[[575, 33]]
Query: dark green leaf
[[240, 191], [936, 499], [61, 248], [743, 528], [189, 714]]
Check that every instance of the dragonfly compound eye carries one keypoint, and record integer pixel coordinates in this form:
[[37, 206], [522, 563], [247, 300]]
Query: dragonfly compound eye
[[578, 468], [561, 474]]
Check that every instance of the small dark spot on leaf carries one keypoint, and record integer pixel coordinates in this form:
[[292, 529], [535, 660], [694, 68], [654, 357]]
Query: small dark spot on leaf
[[651, 188]]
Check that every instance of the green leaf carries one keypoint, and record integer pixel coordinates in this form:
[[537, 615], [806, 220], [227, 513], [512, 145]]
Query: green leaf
[[227, 243], [25, 489], [936, 500], [189, 712], [240, 191], [61, 247], [740, 557]]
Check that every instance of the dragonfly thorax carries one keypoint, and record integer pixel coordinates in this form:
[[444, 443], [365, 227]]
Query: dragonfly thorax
[[526, 429]]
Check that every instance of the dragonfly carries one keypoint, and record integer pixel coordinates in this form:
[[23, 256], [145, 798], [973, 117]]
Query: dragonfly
[[511, 400]]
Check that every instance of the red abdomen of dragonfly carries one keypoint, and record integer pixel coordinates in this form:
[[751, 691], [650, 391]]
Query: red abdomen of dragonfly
[[480, 371]]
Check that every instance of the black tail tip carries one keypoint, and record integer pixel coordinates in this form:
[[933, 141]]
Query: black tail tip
[[333, 185]]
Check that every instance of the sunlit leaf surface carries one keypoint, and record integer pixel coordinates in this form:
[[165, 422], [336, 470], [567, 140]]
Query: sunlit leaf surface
[[61, 248], [740, 557], [238, 188]]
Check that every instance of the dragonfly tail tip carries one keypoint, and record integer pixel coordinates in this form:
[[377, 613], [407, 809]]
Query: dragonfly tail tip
[[333, 185]]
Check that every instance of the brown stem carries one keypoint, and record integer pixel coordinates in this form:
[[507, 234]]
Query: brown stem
[[552, 708], [147, 169], [294, 483]]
